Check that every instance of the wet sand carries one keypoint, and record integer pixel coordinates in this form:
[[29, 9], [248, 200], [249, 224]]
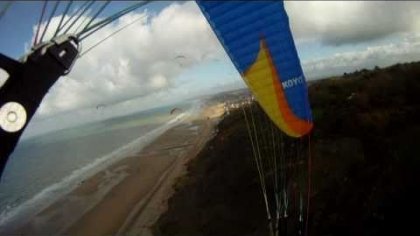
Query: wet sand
[[129, 196]]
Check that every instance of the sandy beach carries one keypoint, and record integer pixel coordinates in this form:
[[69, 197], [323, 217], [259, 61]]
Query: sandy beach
[[128, 196]]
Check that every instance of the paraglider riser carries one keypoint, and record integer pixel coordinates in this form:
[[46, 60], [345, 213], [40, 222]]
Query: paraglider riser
[[29, 81]]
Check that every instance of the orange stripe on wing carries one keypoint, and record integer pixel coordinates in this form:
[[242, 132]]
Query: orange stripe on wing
[[299, 126]]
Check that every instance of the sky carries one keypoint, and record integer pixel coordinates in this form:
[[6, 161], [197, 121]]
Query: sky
[[171, 53]]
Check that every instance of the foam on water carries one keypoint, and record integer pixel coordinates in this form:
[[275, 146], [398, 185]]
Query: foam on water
[[17, 215]]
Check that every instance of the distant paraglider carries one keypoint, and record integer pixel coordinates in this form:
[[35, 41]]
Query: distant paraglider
[[100, 106], [257, 37], [30, 78], [176, 111]]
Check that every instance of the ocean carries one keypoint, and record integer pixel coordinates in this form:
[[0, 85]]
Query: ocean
[[44, 167]]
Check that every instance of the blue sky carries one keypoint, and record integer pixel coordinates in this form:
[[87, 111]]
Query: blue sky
[[173, 54], [23, 15]]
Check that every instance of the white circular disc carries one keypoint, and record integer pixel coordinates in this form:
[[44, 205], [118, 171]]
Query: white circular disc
[[12, 117]]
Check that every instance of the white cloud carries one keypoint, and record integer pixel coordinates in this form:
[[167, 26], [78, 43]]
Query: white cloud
[[140, 61], [407, 50], [158, 81], [349, 22]]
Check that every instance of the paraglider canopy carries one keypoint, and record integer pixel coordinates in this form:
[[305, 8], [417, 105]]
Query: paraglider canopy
[[176, 111]]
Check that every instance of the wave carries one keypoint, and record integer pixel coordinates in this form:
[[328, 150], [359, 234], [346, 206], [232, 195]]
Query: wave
[[25, 211]]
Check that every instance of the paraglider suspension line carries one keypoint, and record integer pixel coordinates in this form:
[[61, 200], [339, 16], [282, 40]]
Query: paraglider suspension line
[[40, 21]]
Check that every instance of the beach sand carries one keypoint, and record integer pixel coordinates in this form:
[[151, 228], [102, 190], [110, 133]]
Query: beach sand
[[128, 196]]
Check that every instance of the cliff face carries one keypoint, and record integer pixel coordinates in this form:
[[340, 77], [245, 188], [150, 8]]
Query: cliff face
[[366, 164]]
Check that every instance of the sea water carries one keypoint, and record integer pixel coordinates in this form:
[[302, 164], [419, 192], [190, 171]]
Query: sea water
[[45, 167]]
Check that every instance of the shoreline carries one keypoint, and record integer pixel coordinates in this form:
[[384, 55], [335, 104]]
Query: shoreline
[[111, 194], [67, 184]]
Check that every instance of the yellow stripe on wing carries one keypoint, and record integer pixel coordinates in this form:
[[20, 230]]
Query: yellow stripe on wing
[[262, 78]]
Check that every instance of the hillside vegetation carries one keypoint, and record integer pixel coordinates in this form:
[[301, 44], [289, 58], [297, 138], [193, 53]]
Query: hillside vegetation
[[366, 164]]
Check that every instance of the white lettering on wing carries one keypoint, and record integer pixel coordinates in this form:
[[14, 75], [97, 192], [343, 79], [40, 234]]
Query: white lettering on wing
[[292, 82]]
